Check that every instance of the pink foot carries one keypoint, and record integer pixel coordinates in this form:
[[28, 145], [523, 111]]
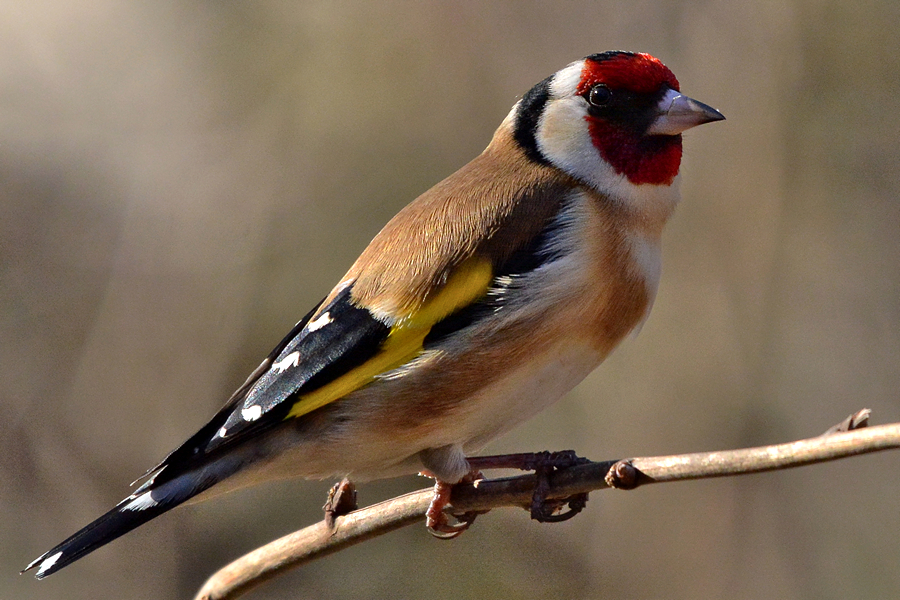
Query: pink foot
[[436, 519], [341, 500]]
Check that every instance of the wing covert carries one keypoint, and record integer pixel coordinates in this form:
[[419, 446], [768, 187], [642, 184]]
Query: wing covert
[[344, 347], [334, 351], [337, 339]]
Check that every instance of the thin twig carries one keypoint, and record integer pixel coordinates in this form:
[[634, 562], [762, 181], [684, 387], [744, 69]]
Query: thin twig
[[360, 525]]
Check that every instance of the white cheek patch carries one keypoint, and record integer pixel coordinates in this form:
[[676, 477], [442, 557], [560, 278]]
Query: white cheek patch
[[291, 360], [566, 80], [563, 137], [562, 134]]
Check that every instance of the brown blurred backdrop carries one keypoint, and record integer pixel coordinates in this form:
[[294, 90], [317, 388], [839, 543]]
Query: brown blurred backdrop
[[181, 180]]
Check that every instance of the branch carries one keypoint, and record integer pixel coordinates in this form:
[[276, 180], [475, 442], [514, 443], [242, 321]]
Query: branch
[[316, 541]]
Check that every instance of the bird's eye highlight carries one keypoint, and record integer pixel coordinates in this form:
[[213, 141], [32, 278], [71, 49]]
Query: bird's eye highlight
[[599, 95]]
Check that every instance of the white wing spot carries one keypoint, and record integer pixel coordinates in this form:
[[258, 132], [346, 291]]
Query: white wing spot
[[252, 413], [142, 502], [222, 431], [48, 562], [291, 360], [323, 320]]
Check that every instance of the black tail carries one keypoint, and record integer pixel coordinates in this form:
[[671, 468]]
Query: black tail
[[148, 502]]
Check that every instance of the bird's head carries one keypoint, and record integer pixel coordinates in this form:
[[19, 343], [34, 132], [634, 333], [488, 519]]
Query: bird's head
[[612, 120]]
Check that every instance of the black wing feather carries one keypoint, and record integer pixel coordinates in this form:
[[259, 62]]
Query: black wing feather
[[196, 441], [351, 337]]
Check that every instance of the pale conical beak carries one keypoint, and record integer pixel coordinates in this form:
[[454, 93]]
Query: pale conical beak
[[678, 112]]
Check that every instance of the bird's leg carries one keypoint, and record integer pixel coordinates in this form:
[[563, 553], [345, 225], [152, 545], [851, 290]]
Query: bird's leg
[[341, 500], [543, 510], [436, 519], [543, 464]]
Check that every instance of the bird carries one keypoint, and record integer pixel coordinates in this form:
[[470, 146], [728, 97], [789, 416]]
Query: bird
[[478, 305]]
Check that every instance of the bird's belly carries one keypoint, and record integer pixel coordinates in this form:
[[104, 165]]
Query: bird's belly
[[472, 421], [364, 450], [515, 398]]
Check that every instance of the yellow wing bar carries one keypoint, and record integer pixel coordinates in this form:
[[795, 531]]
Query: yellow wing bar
[[468, 283]]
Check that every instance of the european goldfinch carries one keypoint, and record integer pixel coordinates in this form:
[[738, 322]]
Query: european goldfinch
[[479, 304]]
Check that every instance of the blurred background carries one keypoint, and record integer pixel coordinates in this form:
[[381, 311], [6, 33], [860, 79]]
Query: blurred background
[[181, 180]]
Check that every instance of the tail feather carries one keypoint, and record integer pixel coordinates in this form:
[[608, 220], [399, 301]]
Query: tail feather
[[146, 503]]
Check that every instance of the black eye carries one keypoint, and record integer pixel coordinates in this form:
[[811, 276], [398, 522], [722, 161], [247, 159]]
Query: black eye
[[599, 95]]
